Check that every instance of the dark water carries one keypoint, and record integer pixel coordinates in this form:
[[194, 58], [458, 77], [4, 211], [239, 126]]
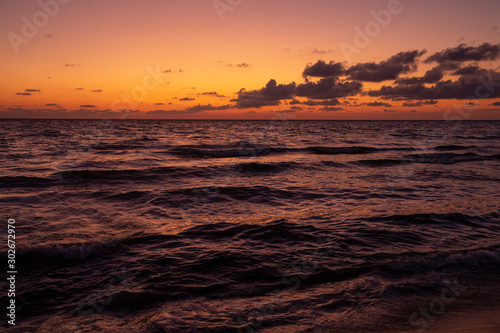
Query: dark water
[[269, 226]]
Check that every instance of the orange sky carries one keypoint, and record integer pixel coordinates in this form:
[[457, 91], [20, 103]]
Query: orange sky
[[189, 59]]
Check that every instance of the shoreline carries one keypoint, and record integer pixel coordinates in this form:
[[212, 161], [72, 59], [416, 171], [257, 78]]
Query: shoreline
[[487, 321]]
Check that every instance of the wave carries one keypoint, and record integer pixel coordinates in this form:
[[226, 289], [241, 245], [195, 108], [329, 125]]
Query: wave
[[429, 158], [453, 147], [254, 194], [460, 260], [450, 219], [24, 181], [226, 153], [276, 231], [58, 254], [255, 151]]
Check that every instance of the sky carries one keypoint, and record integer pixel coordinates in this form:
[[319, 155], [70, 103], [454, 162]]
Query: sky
[[250, 59]]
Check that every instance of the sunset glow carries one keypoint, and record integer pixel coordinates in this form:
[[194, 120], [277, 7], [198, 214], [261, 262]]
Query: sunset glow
[[191, 59]]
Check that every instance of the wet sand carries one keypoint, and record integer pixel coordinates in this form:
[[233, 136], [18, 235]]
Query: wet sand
[[472, 322]]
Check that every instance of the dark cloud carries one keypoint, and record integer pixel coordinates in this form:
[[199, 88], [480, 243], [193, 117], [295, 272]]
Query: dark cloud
[[430, 102], [327, 102], [331, 108], [431, 76], [270, 95], [378, 104], [322, 69], [96, 90], [23, 94], [212, 93], [316, 51], [187, 99], [420, 103], [71, 65], [243, 65], [207, 107], [328, 88], [171, 112], [284, 111], [469, 70], [463, 53], [61, 113], [390, 69], [32, 90], [79, 88], [496, 104], [87, 106], [485, 84], [159, 104]]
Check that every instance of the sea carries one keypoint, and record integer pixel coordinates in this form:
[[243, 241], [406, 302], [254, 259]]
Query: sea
[[248, 226]]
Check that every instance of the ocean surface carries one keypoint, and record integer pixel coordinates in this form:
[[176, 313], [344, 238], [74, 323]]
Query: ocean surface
[[249, 226]]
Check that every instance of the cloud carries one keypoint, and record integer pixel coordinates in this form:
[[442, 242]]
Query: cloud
[[331, 108], [53, 104], [211, 93], [316, 51], [159, 104], [71, 65], [484, 84], [469, 70], [420, 103], [241, 65], [87, 106], [32, 90], [390, 69], [322, 69], [23, 94], [79, 88], [387, 110], [463, 53], [172, 112], [328, 88], [61, 113], [496, 104], [208, 107], [187, 99], [96, 90], [284, 111], [378, 104], [327, 102], [270, 95], [431, 76]]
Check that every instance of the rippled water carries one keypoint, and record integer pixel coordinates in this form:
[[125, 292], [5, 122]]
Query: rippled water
[[242, 226]]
